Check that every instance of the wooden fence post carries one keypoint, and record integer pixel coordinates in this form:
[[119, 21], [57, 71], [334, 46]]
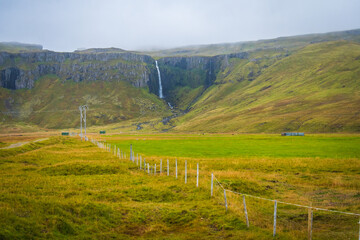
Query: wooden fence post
[[176, 173], [275, 208], [197, 175], [155, 169], [245, 211], [310, 221], [148, 168], [185, 171], [144, 165], [212, 183], [226, 205], [168, 167]]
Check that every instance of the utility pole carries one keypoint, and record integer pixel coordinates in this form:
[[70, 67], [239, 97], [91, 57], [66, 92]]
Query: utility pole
[[83, 109], [81, 118]]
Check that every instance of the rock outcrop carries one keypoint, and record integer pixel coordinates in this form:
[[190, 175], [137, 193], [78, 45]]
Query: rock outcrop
[[193, 71], [20, 70]]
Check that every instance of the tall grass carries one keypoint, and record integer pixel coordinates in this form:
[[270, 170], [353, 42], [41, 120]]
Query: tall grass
[[71, 189]]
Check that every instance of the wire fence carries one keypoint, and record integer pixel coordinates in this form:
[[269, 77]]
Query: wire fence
[[297, 221]]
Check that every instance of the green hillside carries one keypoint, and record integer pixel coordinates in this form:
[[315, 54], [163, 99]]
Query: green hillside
[[54, 103], [315, 89], [286, 43]]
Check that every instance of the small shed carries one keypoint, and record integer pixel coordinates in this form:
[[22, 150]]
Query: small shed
[[102, 132], [292, 134], [65, 134]]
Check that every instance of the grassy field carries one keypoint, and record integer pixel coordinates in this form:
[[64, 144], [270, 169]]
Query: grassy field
[[241, 145], [64, 188], [322, 170]]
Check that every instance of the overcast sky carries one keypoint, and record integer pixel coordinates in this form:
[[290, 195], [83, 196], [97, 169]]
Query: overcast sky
[[139, 24]]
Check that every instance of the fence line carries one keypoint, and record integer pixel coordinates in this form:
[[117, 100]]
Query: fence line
[[287, 203], [122, 155]]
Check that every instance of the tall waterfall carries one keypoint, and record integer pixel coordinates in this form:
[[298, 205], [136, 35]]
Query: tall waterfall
[[160, 86]]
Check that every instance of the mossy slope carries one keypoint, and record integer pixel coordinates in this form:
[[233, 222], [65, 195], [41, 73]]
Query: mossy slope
[[315, 89]]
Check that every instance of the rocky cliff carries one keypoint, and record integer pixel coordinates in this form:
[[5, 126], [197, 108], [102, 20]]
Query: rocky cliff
[[20, 70], [191, 73]]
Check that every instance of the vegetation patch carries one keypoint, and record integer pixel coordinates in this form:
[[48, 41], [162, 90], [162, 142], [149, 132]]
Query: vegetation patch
[[246, 186], [146, 194], [80, 169], [181, 218]]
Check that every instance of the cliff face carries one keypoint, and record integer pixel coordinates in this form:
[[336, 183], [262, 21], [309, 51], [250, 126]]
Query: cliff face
[[20, 70], [191, 72]]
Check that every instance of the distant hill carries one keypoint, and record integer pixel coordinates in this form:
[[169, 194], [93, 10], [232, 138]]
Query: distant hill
[[101, 50], [285, 43], [15, 47]]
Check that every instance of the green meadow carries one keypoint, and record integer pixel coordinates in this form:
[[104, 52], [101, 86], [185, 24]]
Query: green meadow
[[242, 145], [62, 188]]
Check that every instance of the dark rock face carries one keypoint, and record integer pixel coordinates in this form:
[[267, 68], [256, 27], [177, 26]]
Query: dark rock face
[[192, 71], [9, 77], [20, 70]]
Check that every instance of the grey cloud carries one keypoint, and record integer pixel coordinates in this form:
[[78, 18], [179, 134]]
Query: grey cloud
[[70, 24]]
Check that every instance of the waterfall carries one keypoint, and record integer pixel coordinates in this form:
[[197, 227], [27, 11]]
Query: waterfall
[[170, 105], [160, 86]]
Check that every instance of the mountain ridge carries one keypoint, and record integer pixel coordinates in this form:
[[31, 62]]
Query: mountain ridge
[[208, 92]]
